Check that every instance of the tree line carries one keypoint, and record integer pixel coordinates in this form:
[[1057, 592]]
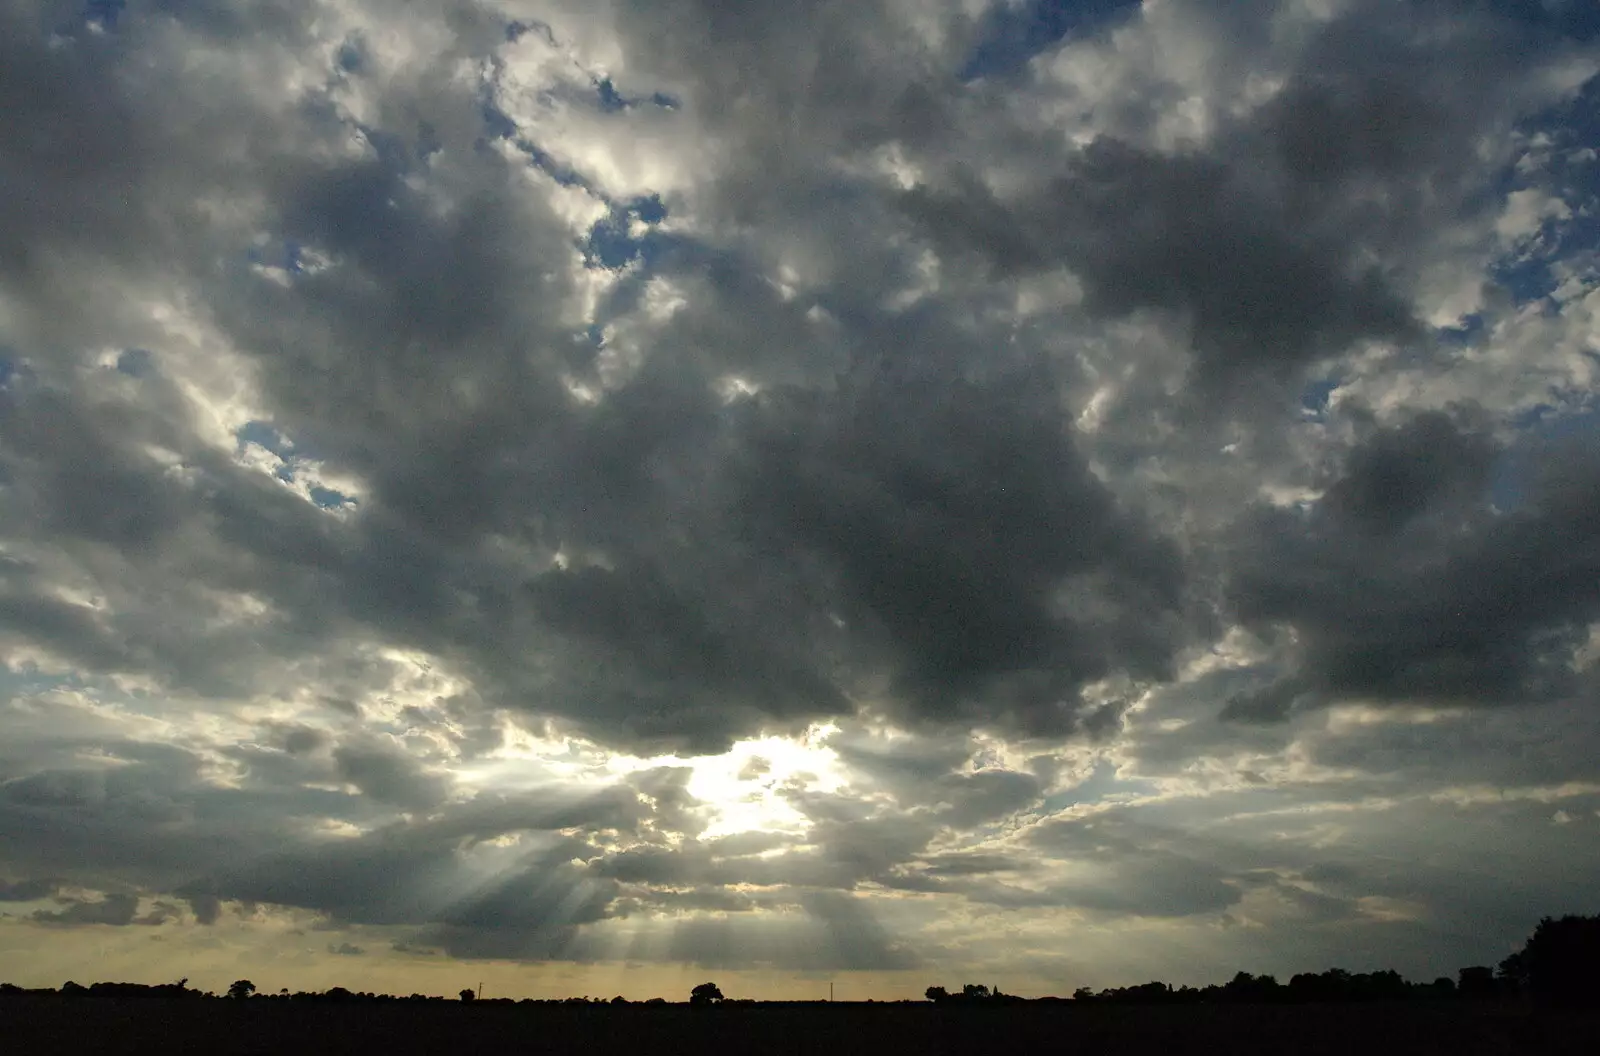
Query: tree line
[[1558, 965]]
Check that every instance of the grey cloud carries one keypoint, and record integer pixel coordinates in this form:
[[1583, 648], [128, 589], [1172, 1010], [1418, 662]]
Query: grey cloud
[[385, 879], [118, 910], [1459, 603], [206, 908], [390, 775], [976, 864], [992, 573], [987, 795], [1192, 236], [835, 932], [1133, 870], [830, 448], [27, 890]]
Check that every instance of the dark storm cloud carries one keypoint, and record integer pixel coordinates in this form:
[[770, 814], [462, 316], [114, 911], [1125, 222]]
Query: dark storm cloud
[[973, 546], [1406, 583], [1190, 235]]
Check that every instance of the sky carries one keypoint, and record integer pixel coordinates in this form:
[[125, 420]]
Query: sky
[[591, 496]]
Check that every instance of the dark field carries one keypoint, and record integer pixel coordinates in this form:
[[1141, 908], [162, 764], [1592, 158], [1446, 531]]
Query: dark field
[[53, 1025]]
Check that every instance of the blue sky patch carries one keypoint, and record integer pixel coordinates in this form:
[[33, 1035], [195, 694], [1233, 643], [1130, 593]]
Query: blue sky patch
[[264, 434], [1539, 428], [352, 55], [612, 100], [611, 243], [136, 363], [328, 499], [104, 13], [1465, 333], [1013, 33], [1314, 397], [1575, 19]]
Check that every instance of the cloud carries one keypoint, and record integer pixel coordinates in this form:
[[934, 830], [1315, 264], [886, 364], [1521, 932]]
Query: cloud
[[116, 909], [1136, 479], [390, 776], [1405, 583], [27, 890]]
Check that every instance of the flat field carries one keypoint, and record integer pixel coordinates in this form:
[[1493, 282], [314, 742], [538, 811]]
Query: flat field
[[106, 1025]]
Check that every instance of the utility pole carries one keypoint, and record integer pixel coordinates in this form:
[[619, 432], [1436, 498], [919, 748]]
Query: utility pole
[[480, 990], [830, 991]]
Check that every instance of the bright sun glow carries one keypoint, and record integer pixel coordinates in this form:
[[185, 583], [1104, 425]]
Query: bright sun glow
[[746, 786], [744, 789]]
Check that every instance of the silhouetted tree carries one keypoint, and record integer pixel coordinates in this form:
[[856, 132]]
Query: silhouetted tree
[[1560, 963], [936, 994], [468, 995], [241, 988], [705, 994], [974, 991]]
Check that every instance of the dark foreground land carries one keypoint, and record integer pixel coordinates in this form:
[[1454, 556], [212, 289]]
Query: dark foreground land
[[106, 1025]]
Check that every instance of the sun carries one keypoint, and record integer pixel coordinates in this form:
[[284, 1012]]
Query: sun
[[745, 789]]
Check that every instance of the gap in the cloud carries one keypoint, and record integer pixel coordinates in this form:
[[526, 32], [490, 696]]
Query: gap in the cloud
[[265, 435], [1315, 397], [136, 363], [1563, 164], [298, 468], [1468, 329], [352, 54], [613, 242], [329, 499], [1538, 428], [612, 101], [1013, 32], [103, 14], [1575, 19]]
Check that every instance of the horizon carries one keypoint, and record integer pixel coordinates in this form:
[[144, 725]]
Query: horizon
[[592, 496]]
